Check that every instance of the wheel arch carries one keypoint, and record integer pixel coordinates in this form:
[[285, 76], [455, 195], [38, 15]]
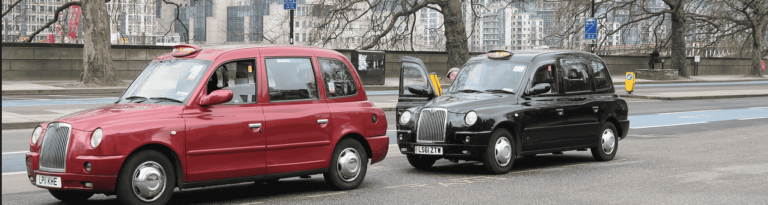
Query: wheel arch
[[169, 153], [358, 138], [615, 124], [512, 129]]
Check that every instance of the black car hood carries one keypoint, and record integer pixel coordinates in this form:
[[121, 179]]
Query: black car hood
[[465, 102]]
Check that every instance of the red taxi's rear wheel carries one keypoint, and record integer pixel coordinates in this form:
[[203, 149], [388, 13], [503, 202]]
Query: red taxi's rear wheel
[[348, 165], [71, 197], [146, 177]]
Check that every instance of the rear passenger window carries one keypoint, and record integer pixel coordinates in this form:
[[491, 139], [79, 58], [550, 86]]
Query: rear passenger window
[[337, 78], [237, 77], [575, 75], [600, 73], [291, 79]]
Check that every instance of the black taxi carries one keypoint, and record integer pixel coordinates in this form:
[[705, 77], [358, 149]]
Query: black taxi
[[503, 105]]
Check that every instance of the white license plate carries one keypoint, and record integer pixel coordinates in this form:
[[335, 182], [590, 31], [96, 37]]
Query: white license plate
[[48, 181], [429, 150]]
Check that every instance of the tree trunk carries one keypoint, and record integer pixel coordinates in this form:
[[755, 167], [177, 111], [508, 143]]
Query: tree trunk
[[677, 39], [757, 54], [97, 60], [455, 33]]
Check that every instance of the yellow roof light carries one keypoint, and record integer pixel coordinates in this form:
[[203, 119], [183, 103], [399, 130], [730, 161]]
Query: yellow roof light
[[499, 54]]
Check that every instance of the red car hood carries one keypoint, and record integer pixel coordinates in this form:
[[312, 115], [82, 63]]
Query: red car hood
[[88, 120]]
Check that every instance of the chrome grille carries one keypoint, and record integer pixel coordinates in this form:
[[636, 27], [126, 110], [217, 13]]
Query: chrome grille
[[432, 122], [53, 154]]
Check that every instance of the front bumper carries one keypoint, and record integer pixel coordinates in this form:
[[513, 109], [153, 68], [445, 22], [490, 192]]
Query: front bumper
[[103, 174], [379, 147], [454, 146]]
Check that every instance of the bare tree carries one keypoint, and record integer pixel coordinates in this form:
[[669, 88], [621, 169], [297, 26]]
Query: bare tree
[[97, 59], [10, 7]]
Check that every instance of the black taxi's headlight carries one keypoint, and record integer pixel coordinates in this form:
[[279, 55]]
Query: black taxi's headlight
[[405, 117], [96, 137], [470, 118]]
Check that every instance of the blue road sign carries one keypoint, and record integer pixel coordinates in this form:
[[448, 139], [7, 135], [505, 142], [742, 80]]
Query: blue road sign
[[289, 6], [590, 29]]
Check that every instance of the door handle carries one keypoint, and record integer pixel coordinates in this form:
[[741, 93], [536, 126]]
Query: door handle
[[322, 121], [595, 108], [560, 111], [254, 125]]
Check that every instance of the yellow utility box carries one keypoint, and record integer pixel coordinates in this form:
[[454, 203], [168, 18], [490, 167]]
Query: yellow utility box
[[629, 82]]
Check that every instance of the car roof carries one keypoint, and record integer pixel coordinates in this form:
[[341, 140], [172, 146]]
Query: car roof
[[529, 55], [213, 52]]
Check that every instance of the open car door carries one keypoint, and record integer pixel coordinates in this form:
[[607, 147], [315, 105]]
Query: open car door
[[417, 87]]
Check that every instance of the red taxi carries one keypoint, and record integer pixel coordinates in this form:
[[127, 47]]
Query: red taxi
[[200, 117]]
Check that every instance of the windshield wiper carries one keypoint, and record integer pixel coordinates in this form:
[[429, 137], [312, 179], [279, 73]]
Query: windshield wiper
[[470, 91], [166, 99], [131, 98], [505, 90]]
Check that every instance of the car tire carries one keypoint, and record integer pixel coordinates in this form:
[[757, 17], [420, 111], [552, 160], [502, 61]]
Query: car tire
[[146, 165], [500, 153], [349, 164], [608, 144], [421, 162], [71, 197]]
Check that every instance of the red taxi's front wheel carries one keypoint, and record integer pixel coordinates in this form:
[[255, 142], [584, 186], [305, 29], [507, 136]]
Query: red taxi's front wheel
[[146, 177]]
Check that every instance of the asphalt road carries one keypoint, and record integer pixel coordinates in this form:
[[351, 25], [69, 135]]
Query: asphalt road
[[716, 154]]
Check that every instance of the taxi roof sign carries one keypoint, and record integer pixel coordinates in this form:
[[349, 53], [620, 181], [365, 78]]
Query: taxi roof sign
[[184, 50], [499, 54]]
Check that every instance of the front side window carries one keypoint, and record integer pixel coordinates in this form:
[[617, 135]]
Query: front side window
[[546, 74], [339, 82], [412, 76], [489, 75], [238, 77], [166, 81], [575, 75], [291, 79]]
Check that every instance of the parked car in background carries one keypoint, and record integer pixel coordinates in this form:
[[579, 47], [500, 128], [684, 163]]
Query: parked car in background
[[201, 117], [503, 105]]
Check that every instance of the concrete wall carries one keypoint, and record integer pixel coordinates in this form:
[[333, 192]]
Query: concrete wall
[[24, 61]]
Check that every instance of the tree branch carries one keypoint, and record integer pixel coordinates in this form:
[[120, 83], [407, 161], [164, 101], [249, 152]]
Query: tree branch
[[10, 8], [52, 21]]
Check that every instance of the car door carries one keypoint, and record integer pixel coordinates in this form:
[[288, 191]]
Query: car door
[[544, 121], [226, 140], [413, 73], [298, 119], [578, 101]]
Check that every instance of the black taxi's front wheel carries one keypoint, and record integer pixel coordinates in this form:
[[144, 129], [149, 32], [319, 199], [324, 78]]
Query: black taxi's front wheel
[[71, 197], [500, 153], [348, 165], [147, 177], [421, 162]]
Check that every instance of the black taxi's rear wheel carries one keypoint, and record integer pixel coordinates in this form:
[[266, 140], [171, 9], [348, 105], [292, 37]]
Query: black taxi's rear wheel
[[146, 177], [348, 165], [500, 153], [421, 162], [71, 197], [608, 144]]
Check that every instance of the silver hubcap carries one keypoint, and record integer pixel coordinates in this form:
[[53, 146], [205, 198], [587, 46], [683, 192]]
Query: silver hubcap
[[608, 141], [348, 165], [503, 151], [148, 181]]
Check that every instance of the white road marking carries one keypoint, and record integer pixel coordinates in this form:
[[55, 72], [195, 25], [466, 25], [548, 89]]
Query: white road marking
[[668, 125], [14, 173], [667, 113], [19, 152], [252, 203], [753, 118], [330, 194]]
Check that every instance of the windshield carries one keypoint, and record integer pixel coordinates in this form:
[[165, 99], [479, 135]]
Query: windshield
[[166, 81], [489, 76]]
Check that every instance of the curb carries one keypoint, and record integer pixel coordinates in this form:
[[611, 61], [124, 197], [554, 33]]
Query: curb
[[64, 91], [696, 81], [691, 97], [20, 125]]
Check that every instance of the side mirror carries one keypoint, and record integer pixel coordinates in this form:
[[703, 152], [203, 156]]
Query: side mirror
[[216, 97], [419, 90], [539, 89]]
